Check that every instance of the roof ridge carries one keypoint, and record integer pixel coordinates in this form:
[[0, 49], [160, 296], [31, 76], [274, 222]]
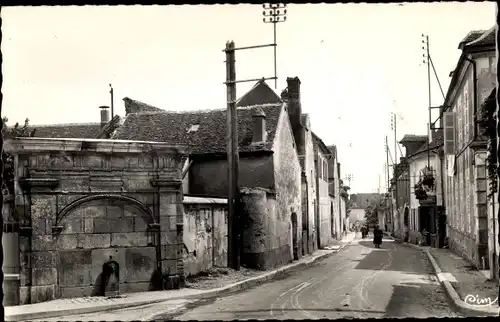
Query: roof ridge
[[64, 124]]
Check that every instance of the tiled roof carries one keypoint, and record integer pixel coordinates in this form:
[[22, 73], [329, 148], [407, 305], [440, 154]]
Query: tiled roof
[[413, 138], [260, 93], [317, 140], [68, 130], [134, 106], [471, 36], [202, 131], [484, 39], [437, 140]]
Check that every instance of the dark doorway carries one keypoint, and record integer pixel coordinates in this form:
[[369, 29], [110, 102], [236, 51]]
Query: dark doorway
[[427, 221], [441, 227], [294, 237], [406, 224]]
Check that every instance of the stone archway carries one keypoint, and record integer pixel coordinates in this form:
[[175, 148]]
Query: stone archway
[[93, 229]]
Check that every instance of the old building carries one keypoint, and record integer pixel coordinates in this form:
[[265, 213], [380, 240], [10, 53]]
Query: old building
[[334, 192], [465, 148], [324, 211], [269, 171], [400, 186], [81, 204], [301, 127], [424, 170]]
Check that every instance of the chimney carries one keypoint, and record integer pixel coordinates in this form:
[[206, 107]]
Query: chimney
[[284, 95], [294, 106], [104, 115], [295, 111], [258, 126]]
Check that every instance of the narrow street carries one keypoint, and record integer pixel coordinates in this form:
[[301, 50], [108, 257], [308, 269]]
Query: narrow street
[[359, 282]]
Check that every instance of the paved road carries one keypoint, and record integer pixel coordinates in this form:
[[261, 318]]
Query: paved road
[[359, 281]]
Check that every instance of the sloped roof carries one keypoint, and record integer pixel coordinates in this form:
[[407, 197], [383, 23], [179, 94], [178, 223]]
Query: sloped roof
[[317, 140], [202, 131], [437, 140], [260, 93], [68, 130], [471, 36], [109, 128], [483, 38], [135, 106], [413, 138]]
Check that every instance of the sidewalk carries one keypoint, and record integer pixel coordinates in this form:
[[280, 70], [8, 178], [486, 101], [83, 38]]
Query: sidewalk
[[65, 307], [469, 289]]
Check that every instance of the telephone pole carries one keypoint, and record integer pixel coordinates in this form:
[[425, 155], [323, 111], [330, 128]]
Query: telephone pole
[[112, 101], [395, 168], [235, 229], [274, 16], [426, 60], [388, 177], [232, 160]]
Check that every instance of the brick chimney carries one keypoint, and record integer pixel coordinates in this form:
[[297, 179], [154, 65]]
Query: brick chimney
[[258, 126], [295, 111], [104, 115]]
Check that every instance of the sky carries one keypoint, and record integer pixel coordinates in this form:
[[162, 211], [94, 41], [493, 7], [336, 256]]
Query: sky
[[357, 63]]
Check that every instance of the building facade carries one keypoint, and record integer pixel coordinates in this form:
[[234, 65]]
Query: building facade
[[465, 149], [82, 204]]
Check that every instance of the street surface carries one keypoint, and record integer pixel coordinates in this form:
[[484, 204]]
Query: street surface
[[359, 282]]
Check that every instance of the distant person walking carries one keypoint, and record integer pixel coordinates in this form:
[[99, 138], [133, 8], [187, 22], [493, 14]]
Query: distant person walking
[[377, 236]]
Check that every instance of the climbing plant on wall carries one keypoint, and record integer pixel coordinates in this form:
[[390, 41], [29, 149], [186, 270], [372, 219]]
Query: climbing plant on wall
[[7, 158], [487, 129]]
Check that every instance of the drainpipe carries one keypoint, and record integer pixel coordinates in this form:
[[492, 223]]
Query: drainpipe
[[443, 197]]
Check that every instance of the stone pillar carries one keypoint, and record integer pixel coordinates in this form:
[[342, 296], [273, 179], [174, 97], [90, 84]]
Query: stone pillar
[[481, 210], [10, 246], [171, 219]]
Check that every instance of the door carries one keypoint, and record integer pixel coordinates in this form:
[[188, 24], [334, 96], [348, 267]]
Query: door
[[294, 237]]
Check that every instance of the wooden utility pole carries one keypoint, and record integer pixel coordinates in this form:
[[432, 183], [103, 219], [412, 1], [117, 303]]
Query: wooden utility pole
[[388, 177], [234, 224], [233, 160], [395, 171]]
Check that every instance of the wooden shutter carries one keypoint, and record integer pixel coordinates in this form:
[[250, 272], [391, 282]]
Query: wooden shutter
[[449, 133]]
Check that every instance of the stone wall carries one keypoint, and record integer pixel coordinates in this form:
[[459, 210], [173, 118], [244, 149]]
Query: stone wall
[[205, 234], [287, 183], [267, 241], [80, 203], [310, 174]]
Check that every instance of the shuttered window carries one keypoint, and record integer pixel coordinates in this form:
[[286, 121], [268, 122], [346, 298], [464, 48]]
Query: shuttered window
[[449, 133]]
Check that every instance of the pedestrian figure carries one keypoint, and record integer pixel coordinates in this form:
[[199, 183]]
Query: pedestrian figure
[[364, 232], [377, 236]]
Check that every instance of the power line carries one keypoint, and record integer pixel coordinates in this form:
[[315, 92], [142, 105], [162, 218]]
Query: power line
[[437, 78]]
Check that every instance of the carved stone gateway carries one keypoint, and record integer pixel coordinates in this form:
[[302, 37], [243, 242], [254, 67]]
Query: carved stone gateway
[[82, 204]]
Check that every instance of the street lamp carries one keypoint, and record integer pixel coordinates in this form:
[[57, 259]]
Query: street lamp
[[274, 13]]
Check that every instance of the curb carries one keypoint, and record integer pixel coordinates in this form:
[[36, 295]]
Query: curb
[[238, 286], [460, 305]]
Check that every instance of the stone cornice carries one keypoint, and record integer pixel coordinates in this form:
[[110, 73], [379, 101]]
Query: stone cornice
[[27, 183], [31, 145], [166, 182]]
